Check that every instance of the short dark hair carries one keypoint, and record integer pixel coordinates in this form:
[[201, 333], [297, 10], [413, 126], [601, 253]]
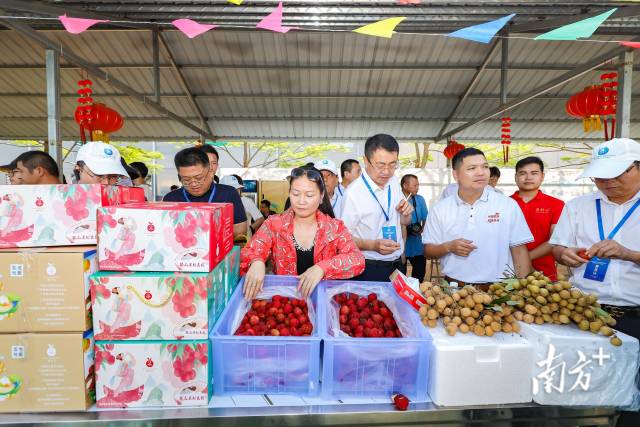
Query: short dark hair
[[532, 160], [266, 202], [456, 162], [208, 148], [407, 177], [34, 159], [190, 157], [347, 166], [142, 169], [173, 187], [494, 171], [380, 141]]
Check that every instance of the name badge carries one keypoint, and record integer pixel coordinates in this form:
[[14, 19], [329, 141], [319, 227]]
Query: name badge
[[596, 269], [389, 232]]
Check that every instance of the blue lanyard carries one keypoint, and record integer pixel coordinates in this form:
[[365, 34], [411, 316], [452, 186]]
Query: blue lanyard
[[339, 190], [333, 205], [620, 224], [213, 194], [415, 209], [386, 215]]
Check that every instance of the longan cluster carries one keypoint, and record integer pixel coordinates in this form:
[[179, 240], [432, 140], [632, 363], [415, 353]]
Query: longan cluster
[[465, 310], [538, 300]]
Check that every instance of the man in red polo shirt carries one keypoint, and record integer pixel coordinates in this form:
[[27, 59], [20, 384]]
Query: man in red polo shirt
[[541, 212]]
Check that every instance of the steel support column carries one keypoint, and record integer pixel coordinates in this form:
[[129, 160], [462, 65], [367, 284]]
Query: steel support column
[[625, 87], [54, 138], [29, 32]]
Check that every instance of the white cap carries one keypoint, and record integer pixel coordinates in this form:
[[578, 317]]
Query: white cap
[[101, 159], [231, 181], [611, 158], [327, 165]]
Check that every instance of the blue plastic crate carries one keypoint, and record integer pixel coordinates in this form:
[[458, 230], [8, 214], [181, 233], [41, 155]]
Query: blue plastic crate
[[374, 367], [264, 365]]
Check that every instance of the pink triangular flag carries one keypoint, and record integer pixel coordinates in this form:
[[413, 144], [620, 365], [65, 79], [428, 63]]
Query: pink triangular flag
[[78, 25], [273, 21], [635, 45], [409, 1], [191, 28]]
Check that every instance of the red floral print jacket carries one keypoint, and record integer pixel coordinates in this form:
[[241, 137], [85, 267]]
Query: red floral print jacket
[[334, 249]]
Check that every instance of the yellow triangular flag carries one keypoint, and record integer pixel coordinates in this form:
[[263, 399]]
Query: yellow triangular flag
[[382, 28], [236, 2]]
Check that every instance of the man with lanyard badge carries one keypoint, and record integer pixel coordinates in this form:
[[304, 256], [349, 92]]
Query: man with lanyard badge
[[598, 234], [196, 176], [374, 210], [329, 173]]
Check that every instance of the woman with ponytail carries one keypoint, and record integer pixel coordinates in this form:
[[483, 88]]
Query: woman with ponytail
[[306, 240]]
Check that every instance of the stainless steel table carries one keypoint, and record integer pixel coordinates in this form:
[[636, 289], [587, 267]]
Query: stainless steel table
[[328, 415]]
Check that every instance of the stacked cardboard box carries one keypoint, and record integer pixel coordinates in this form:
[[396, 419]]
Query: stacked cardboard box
[[161, 287], [46, 342]]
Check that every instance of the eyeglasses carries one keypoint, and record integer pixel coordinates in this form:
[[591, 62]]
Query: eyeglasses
[[194, 180], [634, 165], [107, 178], [383, 166], [312, 174]]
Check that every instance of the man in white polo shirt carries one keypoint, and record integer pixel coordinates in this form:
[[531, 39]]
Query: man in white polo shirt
[[598, 234], [478, 234], [374, 210], [329, 173]]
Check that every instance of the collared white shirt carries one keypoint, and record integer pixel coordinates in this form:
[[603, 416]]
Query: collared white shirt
[[337, 200], [578, 228], [363, 217], [494, 223]]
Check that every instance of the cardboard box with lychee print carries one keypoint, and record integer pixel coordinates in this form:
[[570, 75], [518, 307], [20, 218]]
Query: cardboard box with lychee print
[[188, 237], [152, 374], [56, 215], [156, 305]]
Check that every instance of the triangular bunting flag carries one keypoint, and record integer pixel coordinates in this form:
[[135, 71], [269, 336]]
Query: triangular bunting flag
[[236, 2], [273, 21], [382, 28], [635, 45], [482, 33], [409, 1], [578, 30], [78, 25], [192, 28]]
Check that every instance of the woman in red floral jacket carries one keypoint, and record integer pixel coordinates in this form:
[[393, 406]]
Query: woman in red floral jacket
[[306, 240]]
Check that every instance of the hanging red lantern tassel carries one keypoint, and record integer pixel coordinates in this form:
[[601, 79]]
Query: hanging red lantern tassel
[[608, 103], [506, 138], [84, 112]]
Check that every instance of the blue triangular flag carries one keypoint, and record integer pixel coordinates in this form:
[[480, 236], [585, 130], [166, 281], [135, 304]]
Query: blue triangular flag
[[482, 33]]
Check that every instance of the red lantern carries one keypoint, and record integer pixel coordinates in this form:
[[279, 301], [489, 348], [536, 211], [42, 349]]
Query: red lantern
[[98, 119], [452, 149], [587, 106]]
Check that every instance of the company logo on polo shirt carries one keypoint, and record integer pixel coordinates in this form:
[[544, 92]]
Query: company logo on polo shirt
[[543, 210], [603, 151], [493, 218]]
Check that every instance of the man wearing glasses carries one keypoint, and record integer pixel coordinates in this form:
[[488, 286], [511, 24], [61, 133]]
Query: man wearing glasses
[[196, 175], [374, 210], [598, 234], [15, 178], [99, 163]]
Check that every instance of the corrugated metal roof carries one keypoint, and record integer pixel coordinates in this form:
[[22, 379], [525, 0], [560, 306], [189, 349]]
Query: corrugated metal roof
[[258, 84]]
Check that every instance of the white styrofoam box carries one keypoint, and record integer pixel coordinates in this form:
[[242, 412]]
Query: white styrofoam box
[[470, 370], [585, 368]]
